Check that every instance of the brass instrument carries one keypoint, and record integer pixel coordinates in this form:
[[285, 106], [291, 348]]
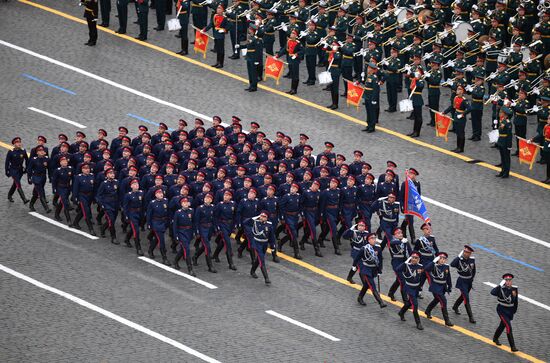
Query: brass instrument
[[399, 23], [392, 39], [523, 63], [459, 44]]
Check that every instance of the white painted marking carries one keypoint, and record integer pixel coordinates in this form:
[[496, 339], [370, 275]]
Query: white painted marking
[[487, 222], [109, 314], [302, 325], [205, 117], [523, 297], [179, 273], [58, 224], [57, 117]]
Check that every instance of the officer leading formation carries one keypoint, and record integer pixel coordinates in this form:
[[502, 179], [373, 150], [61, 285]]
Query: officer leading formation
[[200, 190], [492, 56]]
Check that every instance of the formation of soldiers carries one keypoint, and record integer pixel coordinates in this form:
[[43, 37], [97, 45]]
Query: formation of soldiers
[[487, 53], [212, 188]]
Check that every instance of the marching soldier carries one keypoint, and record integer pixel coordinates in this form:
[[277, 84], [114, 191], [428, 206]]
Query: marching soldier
[[157, 223], [132, 206], [460, 108], [90, 13], [83, 195], [412, 273], [61, 184], [357, 235], [184, 229], [507, 296], [15, 167], [262, 235], [37, 173], [369, 259], [504, 142], [465, 265], [440, 283], [309, 205], [107, 198], [224, 220], [290, 210], [253, 58], [329, 206], [388, 211], [294, 52]]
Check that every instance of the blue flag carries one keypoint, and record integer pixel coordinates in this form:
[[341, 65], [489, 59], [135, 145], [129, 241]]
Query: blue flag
[[413, 202]]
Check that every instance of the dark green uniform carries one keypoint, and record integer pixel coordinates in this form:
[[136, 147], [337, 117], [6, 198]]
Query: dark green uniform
[[434, 92], [254, 55], [372, 100], [520, 119], [504, 144], [335, 72], [392, 66], [143, 14], [90, 13], [347, 63], [311, 50], [477, 92]]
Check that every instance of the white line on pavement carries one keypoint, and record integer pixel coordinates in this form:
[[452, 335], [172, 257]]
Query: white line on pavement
[[57, 117], [58, 224], [205, 117], [523, 297], [302, 325], [487, 222], [109, 314], [179, 273]]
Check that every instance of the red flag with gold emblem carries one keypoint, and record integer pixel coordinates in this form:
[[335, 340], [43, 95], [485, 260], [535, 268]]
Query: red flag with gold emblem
[[201, 43], [527, 152], [273, 68], [442, 125], [355, 94]]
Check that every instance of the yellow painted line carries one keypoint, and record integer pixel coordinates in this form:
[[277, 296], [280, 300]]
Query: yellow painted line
[[434, 319], [283, 94], [6, 146]]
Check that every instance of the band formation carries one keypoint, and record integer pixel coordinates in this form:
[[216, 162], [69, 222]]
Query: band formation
[[487, 53], [212, 189]]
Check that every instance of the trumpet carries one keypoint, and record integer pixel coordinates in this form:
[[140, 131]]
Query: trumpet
[[492, 98], [245, 13], [385, 14], [399, 23], [291, 10], [368, 35], [383, 61], [322, 41], [523, 63], [391, 40], [281, 26], [310, 7], [231, 8], [449, 82], [459, 44]]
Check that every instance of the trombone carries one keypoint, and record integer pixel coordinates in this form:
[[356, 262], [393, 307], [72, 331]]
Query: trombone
[[482, 49], [399, 23], [523, 63], [459, 44], [365, 12], [447, 82], [393, 39]]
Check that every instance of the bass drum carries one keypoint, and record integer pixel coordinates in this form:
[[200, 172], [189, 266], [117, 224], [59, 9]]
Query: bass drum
[[525, 53], [461, 30], [401, 14], [547, 62], [422, 15]]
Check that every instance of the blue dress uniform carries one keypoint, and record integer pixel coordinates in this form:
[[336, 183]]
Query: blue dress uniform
[[204, 227], [504, 142], [466, 268], [107, 197], [184, 229], [400, 251], [329, 207], [246, 208], [507, 297], [224, 217], [412, 274], [369, 262], [366, 196], [357, 240], [348, 200], [157, 223], [309, 205], [439, 278], [61, 183], [132, 206], [83, 195], [15, 167], [290, 211], [37, 172], [262, 236], [389, 216], [271, 206]]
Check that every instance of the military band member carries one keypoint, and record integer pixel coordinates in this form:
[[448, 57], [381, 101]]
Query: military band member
[[347, 50], [311, 39], [417, 86], [508, 298], [433, 80], [268, 31], [335, 70], [369, 259], [294, 52], [253, 56], [142, 7], [478, 92], [504, 142], [465, 265], [439, 278], [372, 96], [91, 14], [543, 139], [460, 108], [393, 78], [219, 26], [183, 8]]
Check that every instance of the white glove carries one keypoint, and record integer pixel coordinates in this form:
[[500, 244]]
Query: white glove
[[363, 52], [256, 63], [513, 103], [460, 116], [451, 63], [426, 26], [428, 55], [237, 46], [512, 19], [221, 31], [370, 35], [437, 259], [362, 74], [469, 68], [536, 108], [404, 240], [536, 90], [374, 102], [495, 122], [469, 88], [502, 283], [353, 268], [489, 12], [303, 33], [516, 87], [407, 67], [284, 27], [450, 82], [385, 62], [293, 56]]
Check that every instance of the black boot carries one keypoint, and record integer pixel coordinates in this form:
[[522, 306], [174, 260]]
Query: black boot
[[470, 315], [511, 341], [22, 195], [102, 230], [402, 312], [378, 299], [45, 205], [253, 270], [430, 307], [361, 295], [335, 245], [350, 276], [456, 305], [57, 214], [296, 250], [230, 262], [446, 317], [138, 247], [164, 258], [497, 334], [152, 245], [417, 320], [11, 192], [90, 227], [190, 266], [216, 254], [67, 216], [114, 241], [209, 264], [264, 272], [31, 204], [274, 255]]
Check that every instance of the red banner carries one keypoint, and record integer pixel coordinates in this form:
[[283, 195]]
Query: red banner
[[527, 152], [442, 125], [355, 94], [273, 68], [201, 43]]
